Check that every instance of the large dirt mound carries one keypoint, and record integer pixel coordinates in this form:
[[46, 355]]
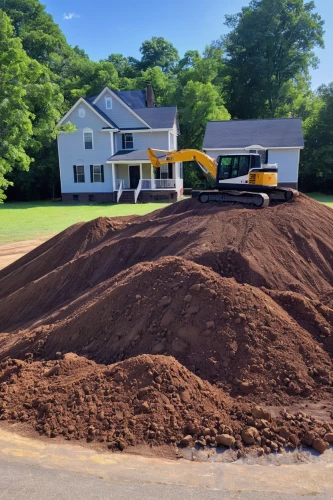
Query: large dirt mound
[[241, 298], [284, 247], [146, 399], [223, 331]]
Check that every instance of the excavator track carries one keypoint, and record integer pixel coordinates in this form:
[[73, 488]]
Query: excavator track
[[282, 195], [258, 200]]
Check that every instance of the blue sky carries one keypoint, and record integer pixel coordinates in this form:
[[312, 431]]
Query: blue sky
[[102, 27]]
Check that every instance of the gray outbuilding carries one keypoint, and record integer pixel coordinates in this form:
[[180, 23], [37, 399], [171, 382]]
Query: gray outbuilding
[[280, 138]]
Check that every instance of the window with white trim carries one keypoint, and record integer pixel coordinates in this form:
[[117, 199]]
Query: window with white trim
[[108, 103], [97, 173], [128, 142], [78, 173], [82, 113], [88, 139]]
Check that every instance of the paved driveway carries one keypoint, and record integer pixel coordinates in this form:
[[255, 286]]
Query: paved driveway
[[34, 469]]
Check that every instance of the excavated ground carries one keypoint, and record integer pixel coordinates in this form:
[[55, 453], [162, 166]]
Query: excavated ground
[[181, 323]]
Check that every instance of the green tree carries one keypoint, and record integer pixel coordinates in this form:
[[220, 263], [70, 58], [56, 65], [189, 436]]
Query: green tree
[[163, 84], [199, 103], [81, 77], [316, 170], [41, 37], [124, 65], [15, 118], [38, 86], [158, 52], [271, 42]]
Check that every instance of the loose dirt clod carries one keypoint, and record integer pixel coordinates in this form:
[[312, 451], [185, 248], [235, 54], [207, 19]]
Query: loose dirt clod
[[157, 310], [122, 405]]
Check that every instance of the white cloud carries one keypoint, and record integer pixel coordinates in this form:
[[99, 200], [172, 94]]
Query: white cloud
[[70, 15]]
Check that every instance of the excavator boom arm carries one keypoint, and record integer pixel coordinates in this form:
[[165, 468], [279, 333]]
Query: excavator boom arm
[[207, 164]]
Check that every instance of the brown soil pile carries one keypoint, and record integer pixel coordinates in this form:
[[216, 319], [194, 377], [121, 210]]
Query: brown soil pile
[[223, 331], [146, 399], [242, 298], [284, 247], [59, 250]]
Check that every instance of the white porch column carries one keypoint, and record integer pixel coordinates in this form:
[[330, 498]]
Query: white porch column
[[140, 171], [152, 176], [112, 143], [113, 166]]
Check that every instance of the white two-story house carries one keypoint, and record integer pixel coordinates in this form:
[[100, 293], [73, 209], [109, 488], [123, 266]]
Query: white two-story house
[[105, 159]]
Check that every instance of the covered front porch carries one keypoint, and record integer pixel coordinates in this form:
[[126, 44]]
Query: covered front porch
[[135, 179], [131, 175], [141, 182]]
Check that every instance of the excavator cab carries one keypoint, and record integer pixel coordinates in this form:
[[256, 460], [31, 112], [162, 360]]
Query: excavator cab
[[231, 166], [235, 170], [234, 166]]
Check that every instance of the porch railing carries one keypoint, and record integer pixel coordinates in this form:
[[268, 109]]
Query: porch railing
[[120, 190], [124, 183], [147, 184], [159, 184], [165, 183], [137, 191]]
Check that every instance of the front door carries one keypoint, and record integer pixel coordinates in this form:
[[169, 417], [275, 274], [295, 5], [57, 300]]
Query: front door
[[134, 175]]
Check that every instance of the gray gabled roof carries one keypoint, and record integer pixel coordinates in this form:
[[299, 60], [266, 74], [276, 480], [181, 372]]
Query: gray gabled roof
[[133, 98], [270, 133], [134, 155], [159, 117]]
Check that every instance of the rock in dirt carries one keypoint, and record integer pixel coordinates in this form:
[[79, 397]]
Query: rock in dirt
[[250, 435], [329, 437], [186, 441], [319, 445], [225, 440]]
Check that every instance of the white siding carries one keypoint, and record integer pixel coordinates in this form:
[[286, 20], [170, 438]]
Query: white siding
[[288, 163], [72, 152], [119, 114], [146, 171], [144, 140]]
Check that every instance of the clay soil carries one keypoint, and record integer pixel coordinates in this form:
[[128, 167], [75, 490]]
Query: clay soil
[[182, 327], [9, 252]]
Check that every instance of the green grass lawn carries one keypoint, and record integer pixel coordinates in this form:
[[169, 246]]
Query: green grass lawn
[[28, 221], [322, 198]]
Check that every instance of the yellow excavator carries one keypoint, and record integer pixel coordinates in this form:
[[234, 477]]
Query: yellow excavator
[[238, 178]]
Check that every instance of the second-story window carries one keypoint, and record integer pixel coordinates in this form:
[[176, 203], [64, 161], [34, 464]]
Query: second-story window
[[128, 141], [108, 103], [88, 139]]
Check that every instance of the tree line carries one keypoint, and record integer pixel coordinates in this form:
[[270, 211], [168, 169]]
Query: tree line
[[260, 69]]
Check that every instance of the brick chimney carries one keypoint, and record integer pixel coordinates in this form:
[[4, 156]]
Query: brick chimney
[[150, 96]]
